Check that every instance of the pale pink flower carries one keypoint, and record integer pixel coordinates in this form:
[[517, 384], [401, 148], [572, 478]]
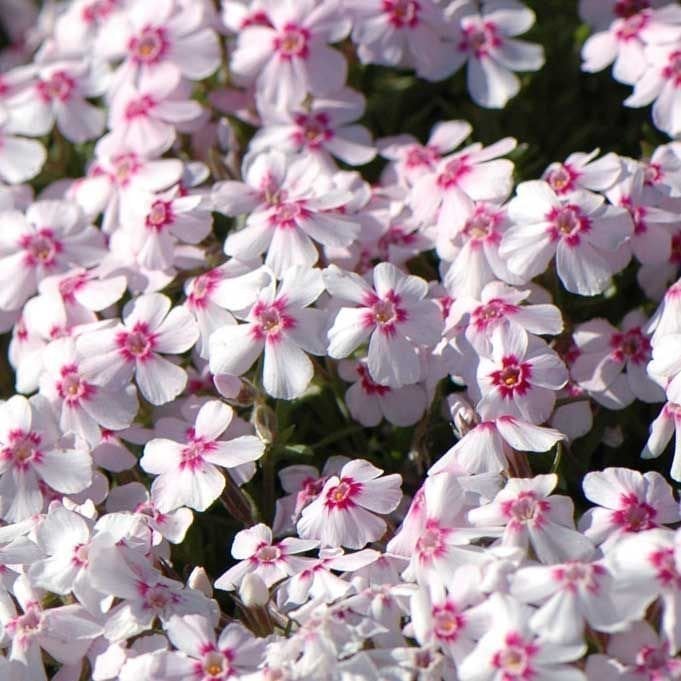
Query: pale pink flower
[[151, 37], [487, 41], [64, 632], [662, 429], [258, 554], [469, 248], [188, 473], [411, 159], [529, 515], [402, 33], [625, 29], [51, 238], [344, 513], [144, 117], [499, 306], [370, 402], [581, 231], [160, 222], [646, 568], [584, 171], [204, 657], [78, 25], [509, 649], [239, 14], [627, 502], [520, 377], [651, 239], [21, 159], [321, 128], [32, 454], [134, 346], [291, 205], [279, 326], [289, 58], [395, 316], [59, 95], [83, 407], [473, 174], [117, 170]]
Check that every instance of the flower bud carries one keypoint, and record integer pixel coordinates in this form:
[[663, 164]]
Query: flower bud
[[253, 591], [198, 579], [265, 421]]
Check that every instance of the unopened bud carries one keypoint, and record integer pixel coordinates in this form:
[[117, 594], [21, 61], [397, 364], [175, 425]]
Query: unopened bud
[[198, 579], [253, 591], [265, 421]]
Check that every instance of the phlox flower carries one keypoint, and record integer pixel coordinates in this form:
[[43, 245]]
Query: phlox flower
[[581, 231], [291, 205], [529, 515], [520, 377], [238, 14], [321, 129], [288, 57], [511, 650], [31, 454], [662, 429], [402, 33], [344, 512], [134, 346], [59, 95], [612, 362], [279, 326], [143, 117], [627, 502], [187, 471], [203, 656], [584, 171], [487, 41], [395, 316], [151, 37], [624, 29], [51, 238], [83, 407], [258, 554]]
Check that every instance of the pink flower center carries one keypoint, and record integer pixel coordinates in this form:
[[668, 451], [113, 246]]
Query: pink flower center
[[259, 18], [573, 575], [23, 449], [215, 666], [482, 226], [513, 377], [431, 544], [652, 174], [287, 214], [655, 664], [402, 13], [313, 130], [58, 87], [421, 157], [385, 313], [568, 223], [672, 71], [310, 490], [138, 344], [271, 320], [69, 285], [562, 178], [157, 597], [268, 554], [453, 171], [369, 386], [150, 46], [124, 167], [515, 660], [72, 388], [194, 451], [631, 346], [160, 216], [42, 248], [492, 312], [395, 236], [631, 27], [341, 496], [480, 37], [634, 515], [201, 288], [293, 41], [23, 627], [525, 509], [139, 108], [447, 621]]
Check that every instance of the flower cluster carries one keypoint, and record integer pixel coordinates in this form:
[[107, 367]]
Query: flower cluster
[[202, 298]]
